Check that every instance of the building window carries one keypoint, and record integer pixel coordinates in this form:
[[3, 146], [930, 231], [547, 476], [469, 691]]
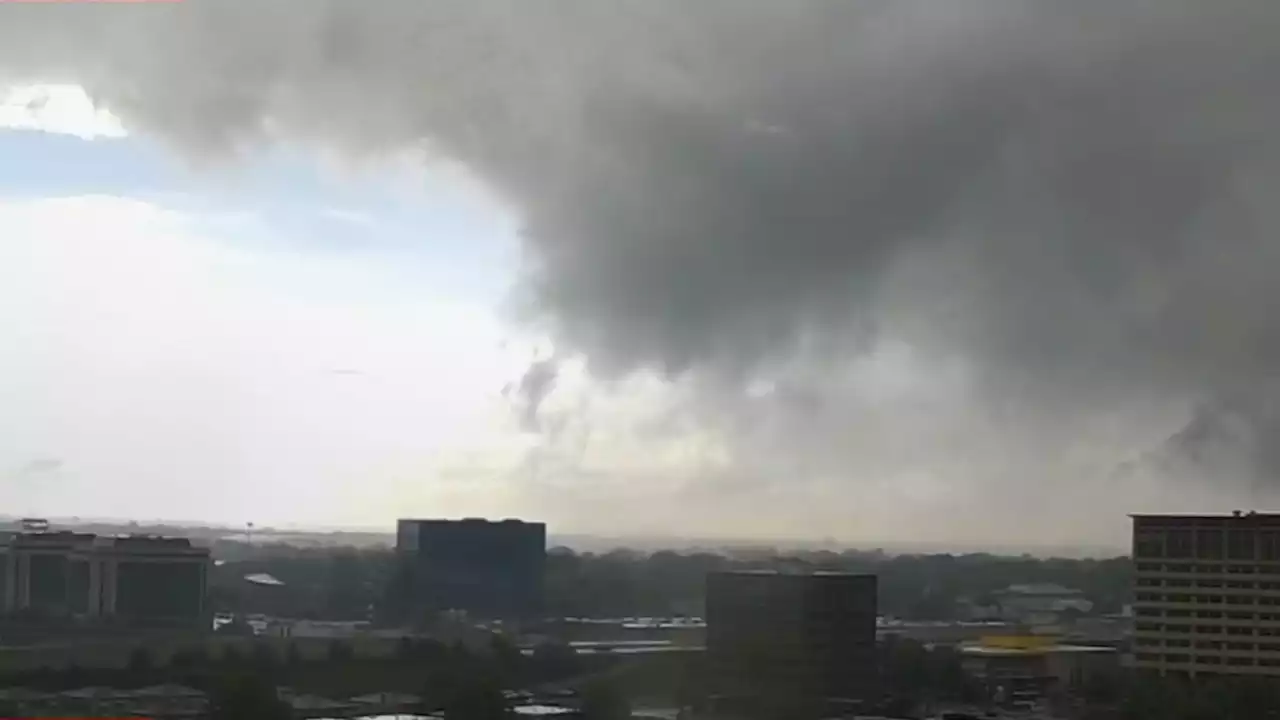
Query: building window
[[1269, 545], [1178, 544], [1209, 544], [1241, 545], [1149, 543]]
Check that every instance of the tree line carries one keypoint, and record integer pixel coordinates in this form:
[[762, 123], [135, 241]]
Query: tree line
[[361, 584], [242, 683]]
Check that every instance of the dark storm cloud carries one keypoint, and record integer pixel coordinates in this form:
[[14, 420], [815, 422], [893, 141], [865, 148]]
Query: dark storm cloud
[[1073, 199], [538, 381]]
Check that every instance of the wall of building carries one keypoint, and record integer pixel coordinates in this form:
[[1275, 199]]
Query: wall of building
[[160, 590], [490, 569], [806, 635], [1207, 594], [134, 578]]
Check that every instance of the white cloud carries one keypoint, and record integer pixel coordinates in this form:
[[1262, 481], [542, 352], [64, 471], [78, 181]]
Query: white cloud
[[152, 368], [161, 366], [353, 217], [61, 109]]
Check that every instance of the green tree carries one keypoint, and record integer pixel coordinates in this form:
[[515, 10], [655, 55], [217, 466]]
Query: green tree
[[476, 697], [405, 649], [340, 651], [140, 664], [554, 659], [603, 699], [263, 658], [507, 659], [183, 659], [246, 697]]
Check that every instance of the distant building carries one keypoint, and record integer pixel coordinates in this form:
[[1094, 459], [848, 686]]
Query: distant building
[[1014, 669], [39, 573], [1207, 594], [1040, 604], [487, 569], [34, 525], [807, 638], [134, 579], [149, 579]]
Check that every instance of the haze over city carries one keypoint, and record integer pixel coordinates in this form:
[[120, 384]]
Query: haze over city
[[966, 272]]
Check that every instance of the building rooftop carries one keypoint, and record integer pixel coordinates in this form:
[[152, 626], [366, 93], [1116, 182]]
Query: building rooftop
[[793, 573], [990, 651], [1039, 589], [466, 521], [1209, 515], [58, 538]]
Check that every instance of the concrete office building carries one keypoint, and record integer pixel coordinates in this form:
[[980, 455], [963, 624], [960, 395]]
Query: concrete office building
[[487, 569], [1207, 594], [39, 572], [808, 638], [134, 579]]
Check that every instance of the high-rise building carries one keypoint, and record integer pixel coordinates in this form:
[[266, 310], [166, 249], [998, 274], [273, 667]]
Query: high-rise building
[[806, 637], [489, 569], [1207, 594], [135, 579]]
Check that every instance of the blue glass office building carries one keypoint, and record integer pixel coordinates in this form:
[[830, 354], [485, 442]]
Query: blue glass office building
[[489, 569]]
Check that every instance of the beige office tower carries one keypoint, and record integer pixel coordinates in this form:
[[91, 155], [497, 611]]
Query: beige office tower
[[1207, 594]]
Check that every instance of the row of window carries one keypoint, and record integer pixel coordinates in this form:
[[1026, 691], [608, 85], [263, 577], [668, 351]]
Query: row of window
[[1153, 582], [1193, 629], [1148, 612], [1183, 659], [1236, 600], [1213, 544], [1213, 569], [1208, 644]]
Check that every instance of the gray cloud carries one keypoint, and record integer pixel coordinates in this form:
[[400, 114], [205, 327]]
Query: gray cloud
[[538, 381], [1068, 202]]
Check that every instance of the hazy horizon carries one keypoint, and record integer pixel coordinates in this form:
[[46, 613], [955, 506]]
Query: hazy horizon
[[588, 542], [981, 274]]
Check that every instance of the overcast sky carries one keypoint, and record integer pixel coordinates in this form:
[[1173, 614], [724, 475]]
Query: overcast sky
[[976, 271]]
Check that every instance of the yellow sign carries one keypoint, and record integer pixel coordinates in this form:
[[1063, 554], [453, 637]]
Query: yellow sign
[[1018, 642]]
